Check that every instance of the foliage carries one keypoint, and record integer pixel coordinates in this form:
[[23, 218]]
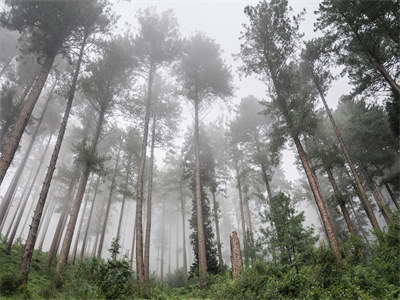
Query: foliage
[[288, 238], [207, 179]]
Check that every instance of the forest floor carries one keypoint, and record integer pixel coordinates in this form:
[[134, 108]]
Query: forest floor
[[313, 275]]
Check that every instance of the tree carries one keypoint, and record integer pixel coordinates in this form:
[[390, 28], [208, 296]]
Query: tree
[[268, 49], [107, 79], [204, 77], [156, 45], [289, 238], [206, 176], [316, 64], [364, 41], [44, 29], [95, 20]]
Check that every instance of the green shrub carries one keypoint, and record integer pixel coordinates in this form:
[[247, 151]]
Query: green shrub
[[9, 284]]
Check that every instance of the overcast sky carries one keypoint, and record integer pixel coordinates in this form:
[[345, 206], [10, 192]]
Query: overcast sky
[[222, 20]]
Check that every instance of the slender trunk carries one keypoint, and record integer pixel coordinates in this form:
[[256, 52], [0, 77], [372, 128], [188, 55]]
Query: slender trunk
[[391, 194], [98, 233], [177, 239], [18, 220], [169, 249], [162, 244], [185, 268], [336, 190], [133, 246], [379, 201], [22, 163], [216, 220], [20, 201], [78, 233], [246, 261], [57, 234], [149, 193], [6, 128], [46, 221], [199, 212], [90, 218], [360, 226], [103, 231], [78, 199], [124, 197], [363, 195], [139, 193], [13, 141], [27, 256], [320, 202]]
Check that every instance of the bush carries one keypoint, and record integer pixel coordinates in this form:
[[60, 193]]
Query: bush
[[9, 284]]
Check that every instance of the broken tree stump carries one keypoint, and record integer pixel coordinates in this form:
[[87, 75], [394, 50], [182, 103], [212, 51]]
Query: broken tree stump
[[236, 255]]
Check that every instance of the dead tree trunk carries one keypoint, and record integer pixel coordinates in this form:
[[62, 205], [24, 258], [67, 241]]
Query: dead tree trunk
[[236, 255]]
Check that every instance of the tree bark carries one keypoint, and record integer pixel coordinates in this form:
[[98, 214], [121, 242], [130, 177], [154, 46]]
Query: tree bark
[[64, 212], [78, 234], [103, 231], [336, 190], [242, 214], [320, 202], [149, 194], [216, 220], [133, 246], [236, 255], [185, 268], [78, 199], [26, 111], [90, 218], [18, 220], [199, 212], [394, 200], [139, 193], [363, 195], [379, 201], [22, 163], [27, 256], [124, 197]]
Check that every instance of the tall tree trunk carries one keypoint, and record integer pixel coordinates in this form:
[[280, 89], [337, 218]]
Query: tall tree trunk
[[391, 194], [239, 186], [216, 220], [18, 220], [103, 231], [78, 199], [363, 195], [336, 190], [162, 244], [185, 268], [13, 141], [199, 211], [22, 163], [27, 255], [90, 217], [124, 197], [46, 221], [360, 226], [149, 194], [78, 233], [133, 246], [177, 238], [58, 232], [378, 198], [139, 193], [30, 177], [5, 128], [320, 202]]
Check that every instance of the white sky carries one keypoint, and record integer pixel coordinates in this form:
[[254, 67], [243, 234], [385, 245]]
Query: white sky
[[222, 20]]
